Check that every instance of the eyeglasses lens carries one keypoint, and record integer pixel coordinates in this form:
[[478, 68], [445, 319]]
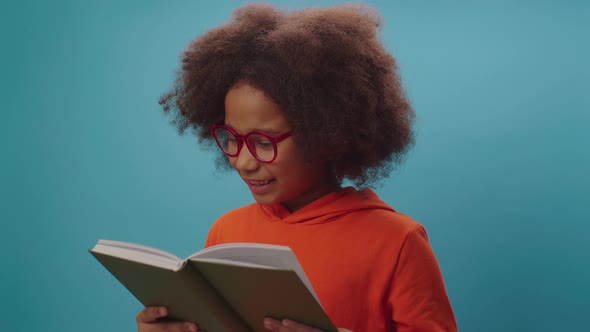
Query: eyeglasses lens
[[262, 147], [227, 141]]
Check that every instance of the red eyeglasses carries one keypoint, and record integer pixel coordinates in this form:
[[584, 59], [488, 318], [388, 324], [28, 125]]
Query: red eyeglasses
[[263, 146]]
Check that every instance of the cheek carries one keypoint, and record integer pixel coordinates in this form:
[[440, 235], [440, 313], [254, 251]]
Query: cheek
[[232, 161], [289, 156], [292, 170]]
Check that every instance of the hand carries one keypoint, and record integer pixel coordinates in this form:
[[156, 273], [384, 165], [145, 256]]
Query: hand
[[287, 325], [147, 321]]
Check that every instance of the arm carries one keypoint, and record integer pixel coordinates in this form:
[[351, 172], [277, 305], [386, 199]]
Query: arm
[[418, 299]]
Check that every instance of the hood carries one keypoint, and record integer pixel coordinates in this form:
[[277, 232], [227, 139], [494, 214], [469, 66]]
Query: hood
[[327, 208]]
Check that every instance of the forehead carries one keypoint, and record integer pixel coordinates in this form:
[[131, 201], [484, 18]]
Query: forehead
[[248, 109]]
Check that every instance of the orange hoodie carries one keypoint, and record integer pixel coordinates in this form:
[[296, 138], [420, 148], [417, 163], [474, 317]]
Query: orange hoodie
[[372, 267]]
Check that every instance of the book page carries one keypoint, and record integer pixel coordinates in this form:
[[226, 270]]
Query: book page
[[259, 254], [258, 292], [138, 253], [186, 294]]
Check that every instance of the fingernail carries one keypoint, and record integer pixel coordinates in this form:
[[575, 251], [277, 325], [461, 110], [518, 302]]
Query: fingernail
[[163, 311], [267, 324]]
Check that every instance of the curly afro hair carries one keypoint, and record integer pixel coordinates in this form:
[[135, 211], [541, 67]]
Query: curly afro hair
[[327, 70]]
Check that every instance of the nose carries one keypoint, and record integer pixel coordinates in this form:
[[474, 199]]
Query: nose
[[245, 161]]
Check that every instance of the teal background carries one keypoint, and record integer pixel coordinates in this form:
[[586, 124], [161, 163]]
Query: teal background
[[499, 173]]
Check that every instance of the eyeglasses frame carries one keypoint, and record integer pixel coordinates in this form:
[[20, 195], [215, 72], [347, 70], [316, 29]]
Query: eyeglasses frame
[[274, 139]]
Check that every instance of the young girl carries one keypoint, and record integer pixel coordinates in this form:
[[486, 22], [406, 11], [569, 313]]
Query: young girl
[[298, 102]]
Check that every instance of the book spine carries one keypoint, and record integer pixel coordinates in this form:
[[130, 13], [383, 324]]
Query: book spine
[[212, 312]]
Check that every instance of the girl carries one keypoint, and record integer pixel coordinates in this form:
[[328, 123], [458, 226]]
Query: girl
[[297, 103]]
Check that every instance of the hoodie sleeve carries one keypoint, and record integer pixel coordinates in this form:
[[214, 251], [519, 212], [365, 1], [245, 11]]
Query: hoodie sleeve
[[418, 297]]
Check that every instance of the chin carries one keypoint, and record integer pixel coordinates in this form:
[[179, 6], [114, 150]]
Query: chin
[[265, 200]]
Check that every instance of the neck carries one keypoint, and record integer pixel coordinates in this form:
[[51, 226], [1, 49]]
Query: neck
[[311, 195]]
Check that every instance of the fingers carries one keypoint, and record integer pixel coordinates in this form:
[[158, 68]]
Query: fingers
[[168, 327], [151, 314], [147, 321], [287, 325]]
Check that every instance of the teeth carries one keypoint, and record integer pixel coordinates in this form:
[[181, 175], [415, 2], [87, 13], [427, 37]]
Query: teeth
[[259, 183]]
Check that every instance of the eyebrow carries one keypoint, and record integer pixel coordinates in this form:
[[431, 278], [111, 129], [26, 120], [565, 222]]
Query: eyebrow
[[261, 130]]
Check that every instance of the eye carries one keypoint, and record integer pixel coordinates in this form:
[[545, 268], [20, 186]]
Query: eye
[[261, 143], [264, 145]]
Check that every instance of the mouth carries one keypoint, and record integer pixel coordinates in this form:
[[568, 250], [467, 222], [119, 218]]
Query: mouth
[[260, 187], [259, 182]]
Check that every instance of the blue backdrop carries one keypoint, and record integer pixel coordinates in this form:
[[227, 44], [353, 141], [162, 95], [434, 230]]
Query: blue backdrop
[[499, 173]]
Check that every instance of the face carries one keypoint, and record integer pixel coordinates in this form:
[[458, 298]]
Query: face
[[289, 179]]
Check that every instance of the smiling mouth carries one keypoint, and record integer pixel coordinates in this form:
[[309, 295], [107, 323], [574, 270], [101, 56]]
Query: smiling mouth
[[260, 187], [259, 183]]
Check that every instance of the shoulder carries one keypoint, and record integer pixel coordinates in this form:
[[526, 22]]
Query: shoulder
[[229, 223], [386, 229], [386, 223], [239, 212], [232, 216], [377, 215], [388, 218]]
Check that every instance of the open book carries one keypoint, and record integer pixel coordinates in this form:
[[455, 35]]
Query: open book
[[224, 288]]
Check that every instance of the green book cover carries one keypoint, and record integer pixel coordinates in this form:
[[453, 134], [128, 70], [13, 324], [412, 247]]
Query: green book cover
[[222, 288]]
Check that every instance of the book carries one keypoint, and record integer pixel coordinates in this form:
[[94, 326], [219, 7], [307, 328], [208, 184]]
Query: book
[[223, 288]]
